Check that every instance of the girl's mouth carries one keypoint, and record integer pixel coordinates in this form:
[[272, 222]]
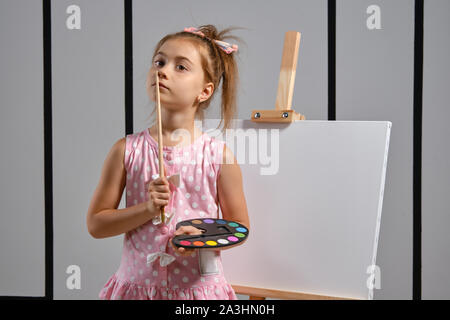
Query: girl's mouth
[[161, 86]]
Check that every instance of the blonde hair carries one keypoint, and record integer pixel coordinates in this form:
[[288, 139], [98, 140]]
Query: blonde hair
[[217, 65]]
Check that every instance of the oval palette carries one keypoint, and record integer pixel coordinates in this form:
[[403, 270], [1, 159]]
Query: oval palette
[[217, 233]]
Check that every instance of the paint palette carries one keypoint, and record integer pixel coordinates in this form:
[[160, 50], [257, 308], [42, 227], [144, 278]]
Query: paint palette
[[216, 233]]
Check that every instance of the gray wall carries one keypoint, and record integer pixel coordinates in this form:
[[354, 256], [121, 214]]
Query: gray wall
[[88, 117], [22, 233], [436, 152], [374, 81]]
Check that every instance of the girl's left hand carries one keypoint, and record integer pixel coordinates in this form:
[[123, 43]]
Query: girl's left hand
[[189, 230]]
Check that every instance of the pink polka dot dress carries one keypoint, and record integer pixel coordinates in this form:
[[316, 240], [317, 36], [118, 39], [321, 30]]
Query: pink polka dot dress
[[149, 268]]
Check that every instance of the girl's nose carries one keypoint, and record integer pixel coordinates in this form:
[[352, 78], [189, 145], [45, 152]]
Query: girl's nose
[[161, 73]]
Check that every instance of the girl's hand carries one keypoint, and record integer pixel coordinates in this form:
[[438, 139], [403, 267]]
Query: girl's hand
[[159, 195], [190, 230]]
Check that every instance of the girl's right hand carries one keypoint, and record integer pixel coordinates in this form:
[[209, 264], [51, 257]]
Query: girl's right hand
[[159, 195], [189, 230]]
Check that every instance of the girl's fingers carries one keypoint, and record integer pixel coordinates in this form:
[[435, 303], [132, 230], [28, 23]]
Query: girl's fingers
[[185, 252], [159, 188], [190, 230], [165, 189], [160, 181], [160, 203], [161, 196], [181, 250]]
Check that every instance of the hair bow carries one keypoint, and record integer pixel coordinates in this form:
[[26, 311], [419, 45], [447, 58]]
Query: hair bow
[[164, 258], [225, 46]]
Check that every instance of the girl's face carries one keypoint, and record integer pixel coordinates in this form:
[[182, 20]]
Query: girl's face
[[180, 71]]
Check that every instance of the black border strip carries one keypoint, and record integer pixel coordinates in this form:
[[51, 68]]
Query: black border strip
[[128, 24], [331, 59], [417, 149]]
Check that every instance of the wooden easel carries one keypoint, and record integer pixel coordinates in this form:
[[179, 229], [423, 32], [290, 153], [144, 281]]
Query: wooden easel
[[282, 113], [262, 294], [283, 104]]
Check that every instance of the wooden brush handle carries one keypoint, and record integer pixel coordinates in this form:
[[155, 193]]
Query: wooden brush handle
[[160, 140]]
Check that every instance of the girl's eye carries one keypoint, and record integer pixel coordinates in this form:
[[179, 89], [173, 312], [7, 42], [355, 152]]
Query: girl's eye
[[156, 63]]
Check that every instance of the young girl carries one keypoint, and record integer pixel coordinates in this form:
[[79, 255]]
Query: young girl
[[200, 173]]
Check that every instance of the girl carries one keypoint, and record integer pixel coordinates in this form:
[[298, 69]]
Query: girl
[[200, 173]]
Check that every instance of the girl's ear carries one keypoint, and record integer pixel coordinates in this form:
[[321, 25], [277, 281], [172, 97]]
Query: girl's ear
[[207, 92]]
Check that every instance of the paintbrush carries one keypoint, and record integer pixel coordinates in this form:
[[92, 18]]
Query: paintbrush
[[160, 141]]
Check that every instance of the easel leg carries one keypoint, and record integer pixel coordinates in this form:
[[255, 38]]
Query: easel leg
[[257, 298]]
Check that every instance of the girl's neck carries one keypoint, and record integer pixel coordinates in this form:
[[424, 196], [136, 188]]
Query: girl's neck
[[187, 132]]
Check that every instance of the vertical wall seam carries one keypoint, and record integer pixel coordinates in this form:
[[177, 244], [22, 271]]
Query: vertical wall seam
[[128, 24], [48, 147], [48, 156], [417, 149], [331, 59]]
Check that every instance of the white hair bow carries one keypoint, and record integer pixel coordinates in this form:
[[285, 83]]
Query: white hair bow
[[164, 260]]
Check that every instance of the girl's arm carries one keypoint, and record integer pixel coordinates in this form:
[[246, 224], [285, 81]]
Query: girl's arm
[[103, 218], [230, 191]]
